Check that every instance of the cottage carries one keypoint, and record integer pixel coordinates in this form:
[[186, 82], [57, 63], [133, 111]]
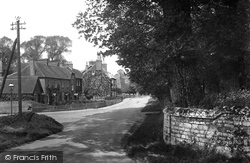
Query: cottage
[[59, 81], [31, 89], [97, 82]]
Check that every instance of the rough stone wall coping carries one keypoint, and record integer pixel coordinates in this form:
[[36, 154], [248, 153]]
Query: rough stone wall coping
[[194, 113]]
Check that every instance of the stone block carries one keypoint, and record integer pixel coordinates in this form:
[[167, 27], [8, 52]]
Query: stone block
[[187, 125], [204, 140], [184, 137], [202, 132], [196, 122], [202, 127], [196, 131], [229, 125], [175, 128], [177, 135], [200, 135], [201, 144], [237, 122], [245, 123], [194, 126], [226, 135], [202, 123]]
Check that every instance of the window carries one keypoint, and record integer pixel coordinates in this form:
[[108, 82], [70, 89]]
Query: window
[[62, 84], [78, 82]]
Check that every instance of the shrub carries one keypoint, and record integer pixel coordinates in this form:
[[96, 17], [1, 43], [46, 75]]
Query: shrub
[[240, 98]]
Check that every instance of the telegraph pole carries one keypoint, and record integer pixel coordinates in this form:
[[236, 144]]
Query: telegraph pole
[[17, 27]]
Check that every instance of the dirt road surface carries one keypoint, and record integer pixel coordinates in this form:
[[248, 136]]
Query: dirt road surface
[[93, 135]]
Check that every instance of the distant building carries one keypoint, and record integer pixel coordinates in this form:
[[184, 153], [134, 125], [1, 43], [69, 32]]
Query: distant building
[[97, 82], [31, 88], [52, 82], [122, 80]]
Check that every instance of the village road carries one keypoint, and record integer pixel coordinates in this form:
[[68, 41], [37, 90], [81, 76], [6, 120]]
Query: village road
[[93, 135]]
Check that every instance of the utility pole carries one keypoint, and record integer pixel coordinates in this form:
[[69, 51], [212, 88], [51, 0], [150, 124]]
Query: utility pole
[[17, 24]]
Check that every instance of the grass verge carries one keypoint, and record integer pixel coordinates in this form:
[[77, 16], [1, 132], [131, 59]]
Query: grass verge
[[144, 143], [15, 131]]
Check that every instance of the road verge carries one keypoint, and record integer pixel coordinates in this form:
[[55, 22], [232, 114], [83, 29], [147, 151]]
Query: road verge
[[15, 131]]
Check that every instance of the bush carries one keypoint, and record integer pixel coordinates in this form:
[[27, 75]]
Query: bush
[[240, 98]]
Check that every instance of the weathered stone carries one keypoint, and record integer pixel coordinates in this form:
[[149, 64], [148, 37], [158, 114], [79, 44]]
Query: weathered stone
[[196, 131], [187, 125], [195, 126], [183, 136], [246, 124], [205, 131], [229, 125]]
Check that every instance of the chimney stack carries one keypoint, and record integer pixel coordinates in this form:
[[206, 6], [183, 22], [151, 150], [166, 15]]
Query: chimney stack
[[86, 67], [104, 66], [32, 68], [99, 63]]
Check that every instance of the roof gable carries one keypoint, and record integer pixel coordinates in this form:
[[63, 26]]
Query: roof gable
[[28, 84], [44, 70]]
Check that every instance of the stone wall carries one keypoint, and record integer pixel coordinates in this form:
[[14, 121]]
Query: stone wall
[[206, 128]]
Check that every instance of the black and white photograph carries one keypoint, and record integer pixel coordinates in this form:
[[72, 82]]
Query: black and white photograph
[[125, 81]]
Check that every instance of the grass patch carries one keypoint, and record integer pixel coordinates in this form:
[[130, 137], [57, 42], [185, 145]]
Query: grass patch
[[144, 142], [15, 131]]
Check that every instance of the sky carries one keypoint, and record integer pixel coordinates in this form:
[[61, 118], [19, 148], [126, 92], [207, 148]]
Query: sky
[[50, 18]]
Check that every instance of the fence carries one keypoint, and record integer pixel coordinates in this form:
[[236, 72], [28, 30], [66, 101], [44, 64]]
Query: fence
[[206, 128]]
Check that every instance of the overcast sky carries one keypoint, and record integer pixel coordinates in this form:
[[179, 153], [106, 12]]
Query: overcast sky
[[49, 18]]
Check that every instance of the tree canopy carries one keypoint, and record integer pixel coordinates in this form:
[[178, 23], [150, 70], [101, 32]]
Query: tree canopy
[[53, 46], [185, 49], [5, 52], [56, 46], [34, 48]]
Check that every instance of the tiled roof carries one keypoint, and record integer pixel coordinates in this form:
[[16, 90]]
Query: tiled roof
[[44, 70], [28, 84], [50, 71], [78, 73]]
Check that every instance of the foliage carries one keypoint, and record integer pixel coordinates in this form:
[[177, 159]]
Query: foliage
[[240, 98], [240, 136], [54, 46], [96, 83], [34, 48], [87, 94], [132, 88], [192, 47], [6, 45], [117, 90], [232, 99]]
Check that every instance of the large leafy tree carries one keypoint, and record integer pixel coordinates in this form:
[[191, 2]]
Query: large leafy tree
[[6, 45], [56, 46], [177, 44], [222, 32], [34, 48]]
